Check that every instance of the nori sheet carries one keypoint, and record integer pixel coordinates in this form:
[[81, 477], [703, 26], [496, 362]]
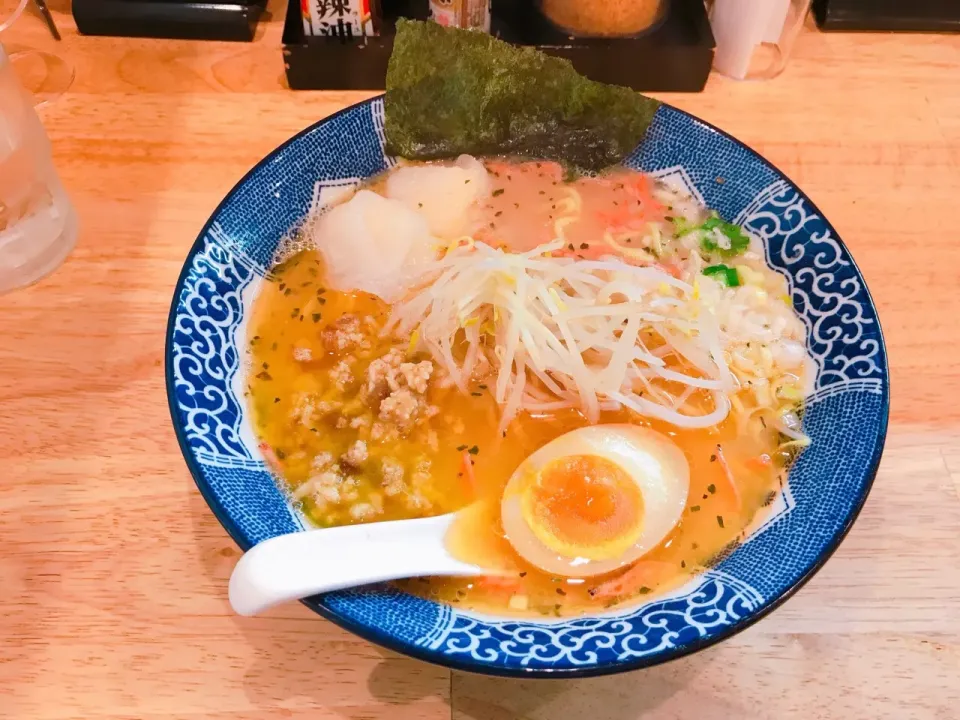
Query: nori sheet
[[452, 91]]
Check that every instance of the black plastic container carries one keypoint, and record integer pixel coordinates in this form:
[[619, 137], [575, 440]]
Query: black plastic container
[[673, 56], [235, 20], [895, 15]]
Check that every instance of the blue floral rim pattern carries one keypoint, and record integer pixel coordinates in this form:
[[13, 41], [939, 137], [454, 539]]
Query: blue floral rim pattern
[[846, 415]]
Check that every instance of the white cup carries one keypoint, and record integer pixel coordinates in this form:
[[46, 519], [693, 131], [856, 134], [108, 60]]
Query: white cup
[[38, 225], [755, 37]]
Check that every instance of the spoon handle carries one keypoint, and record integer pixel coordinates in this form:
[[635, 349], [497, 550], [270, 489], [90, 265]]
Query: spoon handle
[[301, 564]]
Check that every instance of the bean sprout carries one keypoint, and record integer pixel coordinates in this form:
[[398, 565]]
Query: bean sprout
[[586, 334]]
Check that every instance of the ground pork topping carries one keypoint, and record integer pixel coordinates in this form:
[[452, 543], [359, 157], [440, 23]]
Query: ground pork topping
[[343, 335], [356, 455]]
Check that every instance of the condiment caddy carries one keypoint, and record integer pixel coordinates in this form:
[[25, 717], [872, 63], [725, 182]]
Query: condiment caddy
[[673, 55]]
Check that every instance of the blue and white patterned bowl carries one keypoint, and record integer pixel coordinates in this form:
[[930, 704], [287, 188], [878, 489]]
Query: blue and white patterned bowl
[[846, 416]]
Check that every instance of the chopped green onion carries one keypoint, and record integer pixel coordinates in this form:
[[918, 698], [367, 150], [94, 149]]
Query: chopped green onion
[[681, 226], [723, 274], [739, 241]]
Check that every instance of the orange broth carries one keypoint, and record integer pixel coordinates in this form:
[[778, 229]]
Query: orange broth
[[462, 458]]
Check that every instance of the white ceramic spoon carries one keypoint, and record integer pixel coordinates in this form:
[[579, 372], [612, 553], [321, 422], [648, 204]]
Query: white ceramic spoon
[[301, 564]]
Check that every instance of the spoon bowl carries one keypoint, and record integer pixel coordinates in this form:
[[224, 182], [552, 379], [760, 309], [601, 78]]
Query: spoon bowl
[[302, 564]]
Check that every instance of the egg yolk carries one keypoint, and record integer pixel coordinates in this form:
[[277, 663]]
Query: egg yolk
[[583, 506]]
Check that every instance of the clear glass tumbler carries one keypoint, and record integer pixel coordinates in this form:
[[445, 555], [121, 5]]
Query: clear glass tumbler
[[45, 75], [38, 225], [755, 37]]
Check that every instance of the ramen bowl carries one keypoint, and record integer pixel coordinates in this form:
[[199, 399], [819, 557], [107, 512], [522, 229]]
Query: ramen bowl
[[845, 415]]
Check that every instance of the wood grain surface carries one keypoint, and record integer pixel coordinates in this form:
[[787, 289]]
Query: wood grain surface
[[113, 572]]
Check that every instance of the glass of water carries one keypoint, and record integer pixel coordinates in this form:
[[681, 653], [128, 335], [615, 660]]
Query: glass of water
[[45, 75], [38, 225]]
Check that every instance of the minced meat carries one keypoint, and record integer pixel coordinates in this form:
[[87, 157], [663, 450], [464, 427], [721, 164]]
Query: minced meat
[[381, 371], [389, 374], [328, 493], [400, 407], [362, 511], [323, 486], [360, 421], [383, 432], [400, 387], [322, 461], [368, 510], [341, 375], [350, 489], [343, 335], [392, 472], [417, 375], [308, 408], [356, 455]]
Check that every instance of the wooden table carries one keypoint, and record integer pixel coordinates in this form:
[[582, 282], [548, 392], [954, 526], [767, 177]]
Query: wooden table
[[113, 572]]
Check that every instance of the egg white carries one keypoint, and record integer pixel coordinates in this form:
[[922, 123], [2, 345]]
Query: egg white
[[651, 459]]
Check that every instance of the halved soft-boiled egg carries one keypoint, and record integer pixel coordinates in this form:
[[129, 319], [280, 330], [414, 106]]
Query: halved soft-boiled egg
[[595, 499]]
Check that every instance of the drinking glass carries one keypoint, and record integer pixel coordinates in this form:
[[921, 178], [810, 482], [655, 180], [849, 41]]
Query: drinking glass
[[45, 75], [755, 37], [38, 225]]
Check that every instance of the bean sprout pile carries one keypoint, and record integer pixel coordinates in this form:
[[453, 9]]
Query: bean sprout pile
[[565, 333]]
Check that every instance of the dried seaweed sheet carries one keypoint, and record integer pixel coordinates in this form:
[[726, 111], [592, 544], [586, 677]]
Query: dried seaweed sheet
[[452, 91]]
